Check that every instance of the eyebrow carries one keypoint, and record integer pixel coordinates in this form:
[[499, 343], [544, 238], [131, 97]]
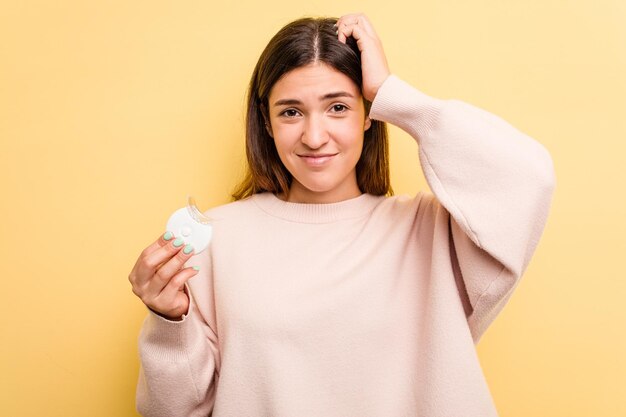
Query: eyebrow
[[292, 101]]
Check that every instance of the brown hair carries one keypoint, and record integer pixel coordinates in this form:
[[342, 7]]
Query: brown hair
[[299, 43]]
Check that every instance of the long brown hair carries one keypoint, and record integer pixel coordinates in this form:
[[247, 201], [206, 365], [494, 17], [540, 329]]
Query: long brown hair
[[299, 43]]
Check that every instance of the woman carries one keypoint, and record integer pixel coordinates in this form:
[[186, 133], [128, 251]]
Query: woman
[[321, 294]]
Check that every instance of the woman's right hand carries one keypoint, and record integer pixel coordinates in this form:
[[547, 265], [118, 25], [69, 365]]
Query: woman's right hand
[[158, 277]]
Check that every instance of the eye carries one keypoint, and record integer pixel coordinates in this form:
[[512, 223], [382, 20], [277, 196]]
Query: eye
[[339, 108], [290, 113]]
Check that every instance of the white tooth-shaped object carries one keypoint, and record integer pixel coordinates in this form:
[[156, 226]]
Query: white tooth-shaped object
[[191, 225]]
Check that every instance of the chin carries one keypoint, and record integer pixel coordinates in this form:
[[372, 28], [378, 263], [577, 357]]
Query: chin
[[325, 185]]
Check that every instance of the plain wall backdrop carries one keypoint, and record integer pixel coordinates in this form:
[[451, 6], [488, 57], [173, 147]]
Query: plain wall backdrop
[[112, 112]]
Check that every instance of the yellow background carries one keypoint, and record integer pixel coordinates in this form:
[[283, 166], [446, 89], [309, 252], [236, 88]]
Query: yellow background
[[111, 112]]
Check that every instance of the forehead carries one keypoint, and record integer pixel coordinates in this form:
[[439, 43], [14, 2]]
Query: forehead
[[313, 80]]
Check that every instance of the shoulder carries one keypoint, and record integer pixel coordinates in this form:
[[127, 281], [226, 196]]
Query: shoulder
[[403, 203], [234, 208], [423, 208]]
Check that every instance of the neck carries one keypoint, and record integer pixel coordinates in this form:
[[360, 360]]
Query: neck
[[299, 194]]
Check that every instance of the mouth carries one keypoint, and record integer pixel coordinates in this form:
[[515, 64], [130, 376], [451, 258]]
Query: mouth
[[317, 159]]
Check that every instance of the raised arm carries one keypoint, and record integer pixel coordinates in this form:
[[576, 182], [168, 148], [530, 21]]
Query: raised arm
[[495, 181]]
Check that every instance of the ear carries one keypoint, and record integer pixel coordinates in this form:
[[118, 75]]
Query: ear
[[368, 124], [268, 127], [266, 120]]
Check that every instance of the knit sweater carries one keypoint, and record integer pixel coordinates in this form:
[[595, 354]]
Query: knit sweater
[[366, 307]]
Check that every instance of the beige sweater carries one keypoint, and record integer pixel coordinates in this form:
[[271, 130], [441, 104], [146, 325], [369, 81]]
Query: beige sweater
[[367, 307]]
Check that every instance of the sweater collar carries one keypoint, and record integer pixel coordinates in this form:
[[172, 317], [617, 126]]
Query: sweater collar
[[316, 213]]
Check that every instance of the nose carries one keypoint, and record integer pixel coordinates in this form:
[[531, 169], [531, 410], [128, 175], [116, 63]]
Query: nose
[[315, 134]]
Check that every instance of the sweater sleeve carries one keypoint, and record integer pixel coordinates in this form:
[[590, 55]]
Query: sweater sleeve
[[180, 359], [495, 182]]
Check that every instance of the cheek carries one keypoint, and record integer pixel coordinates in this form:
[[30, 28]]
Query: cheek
[[354, 128], [285, 138], [350, 133]]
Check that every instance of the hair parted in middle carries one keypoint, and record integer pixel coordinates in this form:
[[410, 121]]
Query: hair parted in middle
[[302, 42]]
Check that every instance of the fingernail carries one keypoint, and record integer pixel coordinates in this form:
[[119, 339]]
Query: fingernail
[[179, 242], [197, 268], [168, 235], [188, 249]]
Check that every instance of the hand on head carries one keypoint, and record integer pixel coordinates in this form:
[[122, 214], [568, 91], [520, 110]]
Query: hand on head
[[373, 61]]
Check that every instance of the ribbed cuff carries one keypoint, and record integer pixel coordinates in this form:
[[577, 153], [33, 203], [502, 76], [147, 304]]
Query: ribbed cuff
[[165, 339], [402, 105]]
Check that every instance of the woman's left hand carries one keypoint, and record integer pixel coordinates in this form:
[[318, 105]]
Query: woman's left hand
[[373, 62]]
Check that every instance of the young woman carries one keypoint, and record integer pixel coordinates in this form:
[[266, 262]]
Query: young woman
[[321, 294]]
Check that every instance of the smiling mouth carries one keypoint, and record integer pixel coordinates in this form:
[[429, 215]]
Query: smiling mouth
[[317, 159]]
